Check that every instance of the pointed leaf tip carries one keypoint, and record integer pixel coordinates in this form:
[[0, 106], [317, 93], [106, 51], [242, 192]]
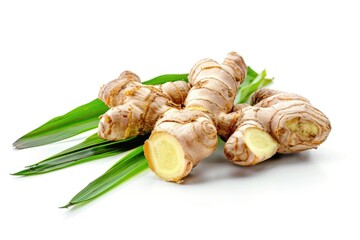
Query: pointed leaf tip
[[67, 205], [25, 172], [20, 173]]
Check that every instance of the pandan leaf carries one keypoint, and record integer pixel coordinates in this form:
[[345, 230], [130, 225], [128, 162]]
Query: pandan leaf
[[127, 167], [79, 120], [90, 149]]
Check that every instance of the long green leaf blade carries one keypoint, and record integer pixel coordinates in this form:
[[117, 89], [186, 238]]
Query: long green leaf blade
[[127, 167], [92, 148], [78, 120], [91, 141]]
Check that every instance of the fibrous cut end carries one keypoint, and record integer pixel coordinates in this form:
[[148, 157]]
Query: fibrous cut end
[[305, 130], [166, 157], [260, 143]]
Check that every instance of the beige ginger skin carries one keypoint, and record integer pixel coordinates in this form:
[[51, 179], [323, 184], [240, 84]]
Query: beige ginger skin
[[136, 107], [184, 137]]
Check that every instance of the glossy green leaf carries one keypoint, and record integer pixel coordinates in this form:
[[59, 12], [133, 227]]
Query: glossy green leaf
[[127, 167], [90, 149], [77, 121]]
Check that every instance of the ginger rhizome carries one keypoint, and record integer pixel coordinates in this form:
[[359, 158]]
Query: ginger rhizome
[[186, 122], [184, 137], [277, 122], [136, 107]]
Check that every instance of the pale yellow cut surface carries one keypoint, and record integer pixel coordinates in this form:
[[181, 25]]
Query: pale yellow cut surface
[[165, 156], [260, 143]]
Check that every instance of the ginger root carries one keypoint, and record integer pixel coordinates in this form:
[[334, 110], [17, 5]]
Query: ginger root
[[184, 137], [186, 122], [136, 107], [276, 122]]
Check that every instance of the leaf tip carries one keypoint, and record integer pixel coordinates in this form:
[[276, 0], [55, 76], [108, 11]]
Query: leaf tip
[[17, 144], [20, 173], [24, 172], [67, 205]]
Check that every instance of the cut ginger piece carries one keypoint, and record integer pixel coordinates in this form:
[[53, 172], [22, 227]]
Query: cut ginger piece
[[305, 130], [166, 157], [260, 143]]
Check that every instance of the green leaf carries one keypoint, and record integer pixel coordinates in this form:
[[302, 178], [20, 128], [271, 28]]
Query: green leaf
[[252, 83], [79, 120], [127, 167], [250, 76], [90, 149]]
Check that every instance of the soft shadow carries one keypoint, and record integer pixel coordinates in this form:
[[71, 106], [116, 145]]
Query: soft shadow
[[218, 167]]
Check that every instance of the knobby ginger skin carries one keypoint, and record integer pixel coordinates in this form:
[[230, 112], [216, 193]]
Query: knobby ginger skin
[[276, 122], [136, 107], [184, 137]]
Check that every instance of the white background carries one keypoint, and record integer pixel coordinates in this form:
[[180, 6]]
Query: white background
[[54, 57]]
